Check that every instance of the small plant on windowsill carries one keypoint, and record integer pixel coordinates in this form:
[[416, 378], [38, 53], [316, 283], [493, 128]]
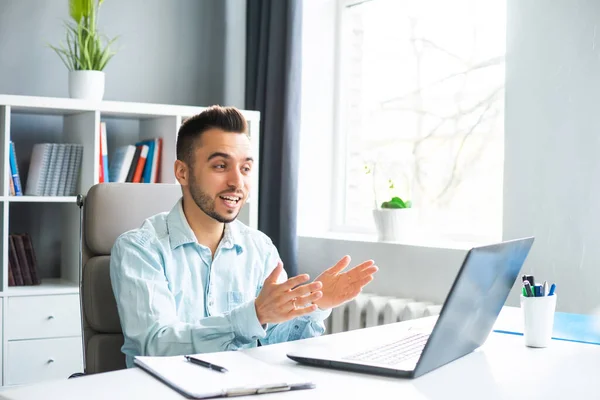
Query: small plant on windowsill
[[395, 219], [396, 202]]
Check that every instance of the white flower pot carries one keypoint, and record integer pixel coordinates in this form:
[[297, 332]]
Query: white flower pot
[[86, 85], [395, 224]]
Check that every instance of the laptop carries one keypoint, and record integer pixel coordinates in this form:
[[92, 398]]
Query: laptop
[[467, 317]]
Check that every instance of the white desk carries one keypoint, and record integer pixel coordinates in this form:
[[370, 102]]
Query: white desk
[[503, 368]]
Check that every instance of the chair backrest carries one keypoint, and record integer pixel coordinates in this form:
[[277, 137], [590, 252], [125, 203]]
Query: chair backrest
[[109, 210]]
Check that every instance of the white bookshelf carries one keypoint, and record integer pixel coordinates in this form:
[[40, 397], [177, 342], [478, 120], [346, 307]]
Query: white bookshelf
[[40, 314]]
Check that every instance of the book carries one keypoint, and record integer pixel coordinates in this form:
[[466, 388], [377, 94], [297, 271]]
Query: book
[[74, 170], [51, 169], [151, 167], [120, 163], [137, 175], [11, 279], [38, 169], [31, 259], [22, 257], [69, 170], [64, 169], [147, 172], [104, 153], [133, 166], [14, 170], [14, 262], [156, 161], [245, 376], [11, 187], [57, 169]]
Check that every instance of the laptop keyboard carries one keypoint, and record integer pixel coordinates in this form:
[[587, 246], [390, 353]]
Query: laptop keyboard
[[394, 353]]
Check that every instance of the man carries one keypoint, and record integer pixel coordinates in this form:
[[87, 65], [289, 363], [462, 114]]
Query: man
[[196, 280]]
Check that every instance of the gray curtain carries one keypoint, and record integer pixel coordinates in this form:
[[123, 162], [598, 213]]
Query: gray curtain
[[273, 66]]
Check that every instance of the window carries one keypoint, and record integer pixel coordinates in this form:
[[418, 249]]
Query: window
[[420, 108]]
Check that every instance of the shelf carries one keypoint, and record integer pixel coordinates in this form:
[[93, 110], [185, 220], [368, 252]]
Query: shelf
[[68, 106], [47, 287], [47, 105], [40, 199]]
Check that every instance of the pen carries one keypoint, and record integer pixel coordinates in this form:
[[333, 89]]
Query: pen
[[202, 363], [528, 289], [552, 289], [530, 279], [545, 289]]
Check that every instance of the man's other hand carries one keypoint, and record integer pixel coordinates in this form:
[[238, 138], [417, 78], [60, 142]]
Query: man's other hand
[[340, 287], [280, 302]]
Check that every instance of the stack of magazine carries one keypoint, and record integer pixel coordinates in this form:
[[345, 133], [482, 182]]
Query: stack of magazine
[[54, 169]]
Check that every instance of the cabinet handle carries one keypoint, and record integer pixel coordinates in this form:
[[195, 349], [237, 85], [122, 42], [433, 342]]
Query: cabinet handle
[[51, 317], [50, 361]]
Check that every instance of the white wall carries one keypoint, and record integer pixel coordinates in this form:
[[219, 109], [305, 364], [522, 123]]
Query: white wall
[[420, 273], [552, 167], [175, 52]]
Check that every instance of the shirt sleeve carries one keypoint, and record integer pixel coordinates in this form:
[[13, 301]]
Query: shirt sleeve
[[148, 313], [303, 327]]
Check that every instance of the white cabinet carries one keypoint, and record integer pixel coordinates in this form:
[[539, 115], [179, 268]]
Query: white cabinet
[[36, 317], [42, 359], [41, 324]]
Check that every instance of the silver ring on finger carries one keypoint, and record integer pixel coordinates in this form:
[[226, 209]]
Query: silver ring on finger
[[294, 303]]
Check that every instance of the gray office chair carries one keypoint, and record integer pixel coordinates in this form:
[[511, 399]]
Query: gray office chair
[[110, 209]]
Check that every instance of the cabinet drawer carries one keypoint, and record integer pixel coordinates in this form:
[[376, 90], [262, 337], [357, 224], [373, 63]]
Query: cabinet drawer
[[29, 361], [36, 317]]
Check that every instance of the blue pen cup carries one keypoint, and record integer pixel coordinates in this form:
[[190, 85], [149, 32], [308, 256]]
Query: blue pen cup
[[538, 319]]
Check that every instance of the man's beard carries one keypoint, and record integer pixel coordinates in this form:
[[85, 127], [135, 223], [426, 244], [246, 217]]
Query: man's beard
[[207, 204]]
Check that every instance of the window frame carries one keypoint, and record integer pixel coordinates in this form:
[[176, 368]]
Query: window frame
[[340, 148], [340, 143]]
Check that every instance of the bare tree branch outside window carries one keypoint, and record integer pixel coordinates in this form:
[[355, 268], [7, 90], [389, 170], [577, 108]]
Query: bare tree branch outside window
[[424, 106]]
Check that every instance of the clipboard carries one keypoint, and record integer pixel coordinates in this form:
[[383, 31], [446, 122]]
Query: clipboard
[[245, 376]]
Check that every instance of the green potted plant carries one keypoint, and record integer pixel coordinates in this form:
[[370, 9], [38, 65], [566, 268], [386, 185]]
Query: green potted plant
[[395, 219], [86, 51]]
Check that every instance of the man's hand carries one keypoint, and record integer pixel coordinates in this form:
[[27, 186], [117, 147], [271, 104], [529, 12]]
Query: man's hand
[[280, 302], [340, 287]]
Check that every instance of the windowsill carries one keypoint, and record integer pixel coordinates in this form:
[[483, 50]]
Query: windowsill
[[429, 242]]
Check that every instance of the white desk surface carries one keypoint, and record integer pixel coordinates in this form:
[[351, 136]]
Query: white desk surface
[[503, 368]]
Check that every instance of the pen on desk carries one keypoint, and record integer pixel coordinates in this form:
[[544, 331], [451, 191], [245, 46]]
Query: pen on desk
[[202, 363], [552, 289], [528, 289]]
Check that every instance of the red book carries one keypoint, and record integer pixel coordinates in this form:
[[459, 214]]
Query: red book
[[139, 169]]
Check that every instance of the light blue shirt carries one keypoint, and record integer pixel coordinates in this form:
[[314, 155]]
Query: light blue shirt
[[174, 298]]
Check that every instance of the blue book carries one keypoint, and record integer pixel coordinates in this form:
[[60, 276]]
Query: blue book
[[14, 170]]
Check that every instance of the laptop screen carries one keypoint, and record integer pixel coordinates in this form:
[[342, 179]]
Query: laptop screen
[[479, 292]]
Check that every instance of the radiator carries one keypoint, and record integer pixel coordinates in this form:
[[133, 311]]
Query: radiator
[[368, 310]]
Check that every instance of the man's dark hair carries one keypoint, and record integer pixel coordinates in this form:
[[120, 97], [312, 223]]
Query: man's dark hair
[[228, 119]]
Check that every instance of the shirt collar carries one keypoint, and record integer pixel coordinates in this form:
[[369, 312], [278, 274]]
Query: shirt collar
[[181, 233]]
